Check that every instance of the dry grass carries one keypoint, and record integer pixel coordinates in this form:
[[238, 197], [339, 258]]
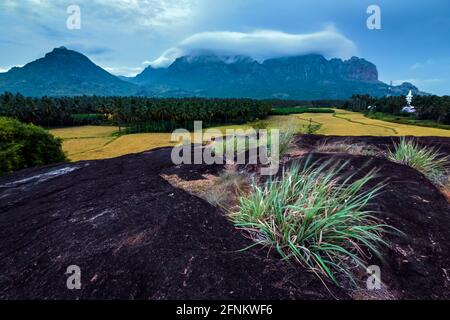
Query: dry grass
[[99, 142], [199, 188], [222, 191], [85, 132], [347, 123], [349, 148], [128, 144], [228, 188]]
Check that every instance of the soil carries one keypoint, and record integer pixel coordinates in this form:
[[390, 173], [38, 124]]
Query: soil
[[136, 236]]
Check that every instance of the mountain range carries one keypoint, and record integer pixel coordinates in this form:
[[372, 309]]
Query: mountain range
[[64, 72]]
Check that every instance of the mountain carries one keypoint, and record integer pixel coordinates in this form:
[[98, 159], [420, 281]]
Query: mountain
[[63, 72], [299, 77]]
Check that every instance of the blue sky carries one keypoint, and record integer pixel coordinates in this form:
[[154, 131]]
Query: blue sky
[[124, 36]]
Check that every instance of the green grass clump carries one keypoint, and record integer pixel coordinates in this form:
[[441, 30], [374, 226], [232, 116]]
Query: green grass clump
[[311, 216], [434, 165]]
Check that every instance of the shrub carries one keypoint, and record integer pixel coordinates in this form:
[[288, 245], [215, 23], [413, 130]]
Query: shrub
[[427, 160], [311, 216], [23, 146]]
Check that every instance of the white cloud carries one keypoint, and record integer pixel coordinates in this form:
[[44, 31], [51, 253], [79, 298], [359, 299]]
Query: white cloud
[[143, 13], [418, 82], [7, 68], [124, 71], [261, 45], [151, 13], [419, 65]]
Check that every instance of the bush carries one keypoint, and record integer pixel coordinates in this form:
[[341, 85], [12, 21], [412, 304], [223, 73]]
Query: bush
[[23, 146], [434, 165], [310, 216]]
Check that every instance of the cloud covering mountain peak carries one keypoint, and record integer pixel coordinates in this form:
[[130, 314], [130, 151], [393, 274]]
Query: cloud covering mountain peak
[[260, 45]]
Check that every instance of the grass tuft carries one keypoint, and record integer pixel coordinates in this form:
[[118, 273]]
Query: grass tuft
[[429, 161], [313, 217]]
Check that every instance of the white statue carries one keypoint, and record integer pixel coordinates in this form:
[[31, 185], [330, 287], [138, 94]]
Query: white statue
[[409, 98], [409, 108]]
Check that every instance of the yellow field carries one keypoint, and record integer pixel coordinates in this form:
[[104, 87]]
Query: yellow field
[[84, 132], [347, 123], [95, 142], [99, 142]]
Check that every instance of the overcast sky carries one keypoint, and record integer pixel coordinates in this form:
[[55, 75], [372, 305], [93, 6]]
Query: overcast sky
[[124, 36]]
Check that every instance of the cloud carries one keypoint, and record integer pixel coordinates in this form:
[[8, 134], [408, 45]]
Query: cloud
[[261, 45], [124, 71], [6, 69], [422, 81], [153, 13], [422, 84], [143, 13], [420, 65]]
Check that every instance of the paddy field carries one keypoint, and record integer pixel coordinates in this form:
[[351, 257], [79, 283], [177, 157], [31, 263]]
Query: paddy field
[[102, 142]]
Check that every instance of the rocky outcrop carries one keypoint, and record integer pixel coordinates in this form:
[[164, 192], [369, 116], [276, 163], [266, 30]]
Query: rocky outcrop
[[298, 77]]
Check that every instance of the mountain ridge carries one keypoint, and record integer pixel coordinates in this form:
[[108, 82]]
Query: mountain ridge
[[64, 72]]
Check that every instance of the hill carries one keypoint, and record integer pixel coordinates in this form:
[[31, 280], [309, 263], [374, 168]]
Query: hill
[[63, 72]]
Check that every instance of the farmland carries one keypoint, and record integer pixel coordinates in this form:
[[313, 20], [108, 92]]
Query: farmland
[[100, 142], [347, 123]]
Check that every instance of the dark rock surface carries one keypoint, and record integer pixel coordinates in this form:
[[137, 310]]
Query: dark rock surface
[[417, 265], [135, 236]]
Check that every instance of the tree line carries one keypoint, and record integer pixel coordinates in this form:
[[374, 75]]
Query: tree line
[[140, 113], [429, 107], [324, 103]]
